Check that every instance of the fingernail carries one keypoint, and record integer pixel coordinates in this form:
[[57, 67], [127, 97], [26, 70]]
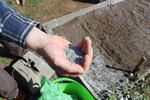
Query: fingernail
[[87, 38]]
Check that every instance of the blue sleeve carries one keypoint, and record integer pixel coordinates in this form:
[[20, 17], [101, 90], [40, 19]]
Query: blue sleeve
[[13, 26]]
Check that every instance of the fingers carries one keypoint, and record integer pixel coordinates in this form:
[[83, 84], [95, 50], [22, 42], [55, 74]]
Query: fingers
[[85, 42], [56, 54], [82, 44], [86, 47], [73, 70], [86, 63], [88, 53], [71, 75], [67, 68]]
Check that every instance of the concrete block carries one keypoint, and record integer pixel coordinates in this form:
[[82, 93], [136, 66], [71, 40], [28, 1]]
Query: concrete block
[[26, 78], [43, 68]]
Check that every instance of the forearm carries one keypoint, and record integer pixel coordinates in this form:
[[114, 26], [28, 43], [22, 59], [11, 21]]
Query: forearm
[[36, 39], [13, 26]]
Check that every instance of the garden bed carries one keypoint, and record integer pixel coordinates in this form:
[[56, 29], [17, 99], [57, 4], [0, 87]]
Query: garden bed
[[120, 35]]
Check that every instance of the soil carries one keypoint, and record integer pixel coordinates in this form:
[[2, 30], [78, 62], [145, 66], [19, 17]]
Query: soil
[[122, 31], [121, 37]]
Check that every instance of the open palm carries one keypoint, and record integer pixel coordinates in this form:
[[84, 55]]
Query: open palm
[[53, 51]]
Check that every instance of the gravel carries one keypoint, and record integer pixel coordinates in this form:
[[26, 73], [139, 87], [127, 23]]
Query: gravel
[[74, 54], [104, 80]]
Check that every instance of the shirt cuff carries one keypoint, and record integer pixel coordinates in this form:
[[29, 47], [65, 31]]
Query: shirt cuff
[[16, 27]]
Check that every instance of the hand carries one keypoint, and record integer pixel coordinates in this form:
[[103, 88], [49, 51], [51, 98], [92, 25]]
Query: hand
[[52, 48]]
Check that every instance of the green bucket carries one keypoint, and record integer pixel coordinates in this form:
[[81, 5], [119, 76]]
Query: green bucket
[[72, 87]]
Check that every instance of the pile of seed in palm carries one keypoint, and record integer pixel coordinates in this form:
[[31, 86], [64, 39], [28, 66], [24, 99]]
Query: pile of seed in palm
[[74, 54]]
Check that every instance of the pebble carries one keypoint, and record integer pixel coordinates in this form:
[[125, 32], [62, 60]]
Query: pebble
[[74, 54]]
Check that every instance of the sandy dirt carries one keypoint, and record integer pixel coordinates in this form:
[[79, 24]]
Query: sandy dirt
[[120, 35]]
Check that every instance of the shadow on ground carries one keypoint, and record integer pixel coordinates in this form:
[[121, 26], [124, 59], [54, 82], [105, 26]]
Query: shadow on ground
[[90, 1], [5, 53]]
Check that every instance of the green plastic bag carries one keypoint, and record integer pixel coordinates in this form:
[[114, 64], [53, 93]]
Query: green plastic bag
[[51, 91]]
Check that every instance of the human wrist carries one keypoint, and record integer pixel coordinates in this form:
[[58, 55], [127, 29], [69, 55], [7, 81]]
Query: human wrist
[[36, 39]]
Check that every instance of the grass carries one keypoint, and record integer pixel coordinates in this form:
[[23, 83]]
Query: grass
[[5, 61], [45, 10], [28, 3], [31, 3], [28, 7]]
